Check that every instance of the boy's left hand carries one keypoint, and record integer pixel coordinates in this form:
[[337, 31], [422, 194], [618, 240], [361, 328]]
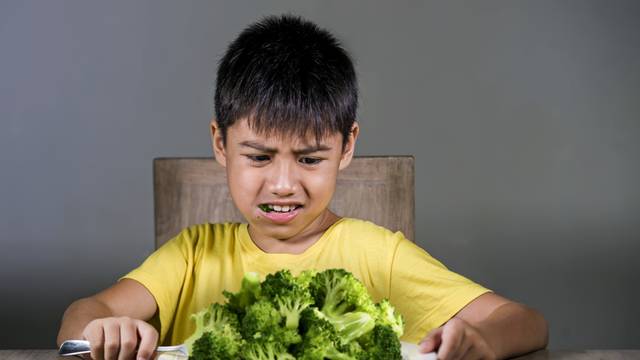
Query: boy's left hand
[[457, 339]]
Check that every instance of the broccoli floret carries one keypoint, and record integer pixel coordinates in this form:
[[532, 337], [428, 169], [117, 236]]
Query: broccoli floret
[[260, 320], [266, 351], [216, 334], [290, 295], [381, 343], [223, 343], [352, 325], [311, 317], [263, 323], [305, 277], [337, 291], [248, 294], [387, 316], [345, 302], [321, 340]]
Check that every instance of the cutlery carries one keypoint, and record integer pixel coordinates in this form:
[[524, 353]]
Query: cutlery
[[79, 347]]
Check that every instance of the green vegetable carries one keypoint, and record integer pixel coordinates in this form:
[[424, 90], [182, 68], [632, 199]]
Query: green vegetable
[[216, 335], [387, 316], [290, 295], [381, 343], [345, 302], [313, 316], [248, 294], [321, 340]]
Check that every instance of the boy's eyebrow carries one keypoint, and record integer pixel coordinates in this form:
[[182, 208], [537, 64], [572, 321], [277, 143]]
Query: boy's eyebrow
[[311, 149], [258, 146], [306, 150]]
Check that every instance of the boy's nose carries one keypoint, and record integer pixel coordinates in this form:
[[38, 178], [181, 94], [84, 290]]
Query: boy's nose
[[284, 181]]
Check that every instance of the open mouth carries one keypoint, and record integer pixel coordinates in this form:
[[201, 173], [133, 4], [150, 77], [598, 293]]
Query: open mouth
[[278, 208]]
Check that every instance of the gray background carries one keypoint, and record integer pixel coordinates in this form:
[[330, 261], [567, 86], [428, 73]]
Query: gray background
[[523, 117]]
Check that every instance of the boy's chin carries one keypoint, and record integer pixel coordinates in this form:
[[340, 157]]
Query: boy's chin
[[278, 231], [282, 232]]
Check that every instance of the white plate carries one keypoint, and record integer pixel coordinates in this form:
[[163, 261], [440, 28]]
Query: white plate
[[412, 352], [409, 352]]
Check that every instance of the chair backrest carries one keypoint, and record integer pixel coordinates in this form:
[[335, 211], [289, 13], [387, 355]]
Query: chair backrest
[[190, 191]]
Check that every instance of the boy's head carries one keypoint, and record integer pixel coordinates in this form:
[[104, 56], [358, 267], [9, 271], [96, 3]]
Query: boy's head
[[286, 76], [285, 106]]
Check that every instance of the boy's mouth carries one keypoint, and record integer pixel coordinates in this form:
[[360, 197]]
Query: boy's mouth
[[280, 214], [278, 208]]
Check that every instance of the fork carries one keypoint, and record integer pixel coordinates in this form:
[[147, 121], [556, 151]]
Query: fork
[[79, 347]]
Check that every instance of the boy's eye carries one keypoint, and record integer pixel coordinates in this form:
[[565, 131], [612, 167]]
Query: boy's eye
[[310, 161], [259, 158]]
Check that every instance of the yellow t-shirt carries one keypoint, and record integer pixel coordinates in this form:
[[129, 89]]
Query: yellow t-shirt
[[190, 271]]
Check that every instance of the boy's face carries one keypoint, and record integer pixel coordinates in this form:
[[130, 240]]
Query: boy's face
[[282, 185]]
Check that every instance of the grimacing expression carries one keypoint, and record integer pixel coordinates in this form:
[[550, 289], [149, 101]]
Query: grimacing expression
[[281, 184]]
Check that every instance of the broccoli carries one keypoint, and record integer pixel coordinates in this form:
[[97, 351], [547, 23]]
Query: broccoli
[[260, 320], [224, 343], [388, 316], [345, 302], [248, 294], [289, 294], [337, 291], [381, 343], [266, 351], [312, 316], [321, 340], [263, 323], [305, 277], [216, 335]]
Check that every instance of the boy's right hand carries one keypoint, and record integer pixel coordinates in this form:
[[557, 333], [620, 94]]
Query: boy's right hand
[[119, 338]]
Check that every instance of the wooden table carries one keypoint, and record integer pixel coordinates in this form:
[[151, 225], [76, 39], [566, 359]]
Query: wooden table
[[539, 355]]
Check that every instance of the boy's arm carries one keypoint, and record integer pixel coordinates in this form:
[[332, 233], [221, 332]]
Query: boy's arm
[[489, 327], [114, 315]]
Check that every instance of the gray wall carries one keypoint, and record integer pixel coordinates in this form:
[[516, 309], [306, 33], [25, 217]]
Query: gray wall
[[523, 117]]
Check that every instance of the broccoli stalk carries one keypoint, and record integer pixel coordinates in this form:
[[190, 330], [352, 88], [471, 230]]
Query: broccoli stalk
[[345, 303], [352, 325], [266, 351], [291, 307], [289, 294], [321, 340]]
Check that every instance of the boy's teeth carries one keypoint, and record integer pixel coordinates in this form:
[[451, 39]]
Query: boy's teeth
[[281, 208]]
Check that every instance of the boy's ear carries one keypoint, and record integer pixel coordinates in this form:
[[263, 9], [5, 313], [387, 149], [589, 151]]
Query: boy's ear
[[219, 150], [350, 146]]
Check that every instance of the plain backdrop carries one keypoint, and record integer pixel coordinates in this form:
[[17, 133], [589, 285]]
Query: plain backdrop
[[524, 119]]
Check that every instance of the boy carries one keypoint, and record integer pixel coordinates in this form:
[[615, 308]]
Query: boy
[[285, 105]]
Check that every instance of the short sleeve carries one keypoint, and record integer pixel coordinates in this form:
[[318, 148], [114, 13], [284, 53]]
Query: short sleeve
[[163, 274], [425, 292]]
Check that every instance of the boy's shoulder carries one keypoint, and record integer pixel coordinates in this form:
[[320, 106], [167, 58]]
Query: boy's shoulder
[[203, 233], [355, 229]]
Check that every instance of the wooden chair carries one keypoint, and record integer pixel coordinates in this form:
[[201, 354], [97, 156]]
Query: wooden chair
[[189, 191]]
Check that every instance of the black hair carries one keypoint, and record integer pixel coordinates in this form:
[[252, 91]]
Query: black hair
[[287, 76]]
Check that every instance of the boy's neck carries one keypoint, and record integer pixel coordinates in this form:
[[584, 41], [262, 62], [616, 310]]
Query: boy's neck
[[300, 242]]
